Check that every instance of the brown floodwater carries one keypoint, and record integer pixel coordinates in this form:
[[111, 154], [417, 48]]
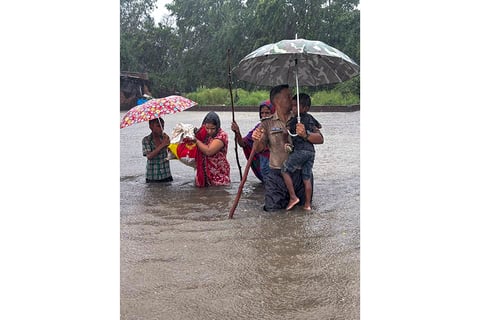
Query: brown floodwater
[[182, 258]]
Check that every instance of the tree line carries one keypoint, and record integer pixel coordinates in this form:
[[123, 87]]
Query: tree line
[[188, 49]]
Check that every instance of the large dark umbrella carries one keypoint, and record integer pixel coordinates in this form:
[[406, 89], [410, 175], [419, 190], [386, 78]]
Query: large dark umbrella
[[275, 63], [300, 62]]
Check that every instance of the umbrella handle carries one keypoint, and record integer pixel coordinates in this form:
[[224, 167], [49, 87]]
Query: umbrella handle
[[298, 95], [160, 123], [298, 99]]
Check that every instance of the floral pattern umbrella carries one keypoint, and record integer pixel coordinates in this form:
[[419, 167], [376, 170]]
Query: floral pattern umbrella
[[155, 108], [316, 63]]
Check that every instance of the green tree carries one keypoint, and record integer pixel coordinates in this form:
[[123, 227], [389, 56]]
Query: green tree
[[135, 14], [146, 47], [206, 30], [191, 53], [135, 21]]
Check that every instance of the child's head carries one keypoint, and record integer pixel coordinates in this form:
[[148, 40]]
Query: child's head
[[305, 103], [156, 126]]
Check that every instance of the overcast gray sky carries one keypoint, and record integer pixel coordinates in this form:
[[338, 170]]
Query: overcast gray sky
[[161, 10]]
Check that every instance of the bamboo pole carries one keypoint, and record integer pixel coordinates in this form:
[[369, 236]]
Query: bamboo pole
[[233, 109], [240, 187]]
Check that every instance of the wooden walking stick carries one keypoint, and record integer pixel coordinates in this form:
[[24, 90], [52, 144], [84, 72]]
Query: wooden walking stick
[[233, 108], [240, 187]]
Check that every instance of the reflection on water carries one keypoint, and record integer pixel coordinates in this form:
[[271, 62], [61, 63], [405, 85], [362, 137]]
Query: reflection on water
[[181, 258]]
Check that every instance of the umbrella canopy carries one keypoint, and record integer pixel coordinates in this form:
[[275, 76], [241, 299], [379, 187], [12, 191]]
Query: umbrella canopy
[[316, 63], [155, 108]]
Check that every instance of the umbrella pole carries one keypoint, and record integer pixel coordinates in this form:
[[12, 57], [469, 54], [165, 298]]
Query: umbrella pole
[[240, 187], [298, 99], [233, 109], [298, 94], [160, 123]]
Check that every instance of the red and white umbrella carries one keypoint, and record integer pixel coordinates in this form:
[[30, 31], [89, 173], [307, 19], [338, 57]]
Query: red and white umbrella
[[155, 108]]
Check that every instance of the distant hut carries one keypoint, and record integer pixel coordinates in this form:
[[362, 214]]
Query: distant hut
[[133, 85]]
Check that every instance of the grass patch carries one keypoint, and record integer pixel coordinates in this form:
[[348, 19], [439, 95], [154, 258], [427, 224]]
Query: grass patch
[[241, 97], [334, 98]]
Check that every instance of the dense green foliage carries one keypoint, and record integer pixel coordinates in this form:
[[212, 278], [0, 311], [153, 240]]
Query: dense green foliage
[[221, 96], [188, 51]]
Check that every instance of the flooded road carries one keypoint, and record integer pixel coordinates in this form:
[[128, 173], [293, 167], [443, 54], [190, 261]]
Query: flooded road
[[182, 258]]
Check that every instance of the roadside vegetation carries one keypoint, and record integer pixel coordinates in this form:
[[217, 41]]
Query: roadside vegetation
[[338, 96]]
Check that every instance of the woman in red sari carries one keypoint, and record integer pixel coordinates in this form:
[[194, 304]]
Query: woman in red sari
[[213, 168]]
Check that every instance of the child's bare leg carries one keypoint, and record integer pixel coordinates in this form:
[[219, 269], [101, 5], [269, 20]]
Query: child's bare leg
[[291, 190], [308, 194]]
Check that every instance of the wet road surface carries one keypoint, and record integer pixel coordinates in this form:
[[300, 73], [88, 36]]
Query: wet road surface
[[182, 258]]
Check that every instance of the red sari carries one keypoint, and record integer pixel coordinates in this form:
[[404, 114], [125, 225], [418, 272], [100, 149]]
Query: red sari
[[212, 170]]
